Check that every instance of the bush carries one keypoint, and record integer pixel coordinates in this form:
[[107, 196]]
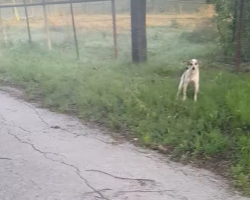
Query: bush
[[202, 33], [174, 23], [227, 19]]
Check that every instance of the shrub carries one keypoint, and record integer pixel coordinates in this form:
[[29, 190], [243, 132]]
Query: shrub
[[203, 32]]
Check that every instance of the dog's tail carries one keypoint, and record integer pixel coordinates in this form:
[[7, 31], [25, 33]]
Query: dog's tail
[[180, 86]]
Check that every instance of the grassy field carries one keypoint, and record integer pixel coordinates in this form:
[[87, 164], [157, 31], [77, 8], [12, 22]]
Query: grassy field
[[140, 99]]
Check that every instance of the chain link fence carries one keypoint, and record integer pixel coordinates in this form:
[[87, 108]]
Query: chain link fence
[[105, 33]]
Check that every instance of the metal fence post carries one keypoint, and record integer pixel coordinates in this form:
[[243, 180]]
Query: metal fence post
[[239, 35], [74, 29], [46, 25], [114, 29], [2, 25], [27, 20], [235, 20]]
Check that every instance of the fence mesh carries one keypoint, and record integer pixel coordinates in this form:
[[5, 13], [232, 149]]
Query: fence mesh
[[172, 26]]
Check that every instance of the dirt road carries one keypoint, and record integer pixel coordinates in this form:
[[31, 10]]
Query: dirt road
[[47, 156]]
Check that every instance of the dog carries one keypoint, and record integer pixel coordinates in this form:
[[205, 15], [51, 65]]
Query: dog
[[190, 75]]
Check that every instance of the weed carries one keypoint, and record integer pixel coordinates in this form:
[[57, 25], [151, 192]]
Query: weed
[[203, 32], [174, 23]]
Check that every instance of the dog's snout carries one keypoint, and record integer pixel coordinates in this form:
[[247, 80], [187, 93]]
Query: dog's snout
[[193, 68]]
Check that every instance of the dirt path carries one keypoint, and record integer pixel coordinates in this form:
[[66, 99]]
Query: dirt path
[[47, 156]]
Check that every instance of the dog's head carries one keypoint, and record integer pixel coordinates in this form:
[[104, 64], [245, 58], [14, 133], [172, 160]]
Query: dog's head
[[193, 64]]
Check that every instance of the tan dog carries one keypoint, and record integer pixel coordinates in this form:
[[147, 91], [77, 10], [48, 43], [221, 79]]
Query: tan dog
[[190, 75]]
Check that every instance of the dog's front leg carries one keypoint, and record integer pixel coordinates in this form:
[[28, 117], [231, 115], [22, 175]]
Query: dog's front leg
[[185, 85], [196, 90]]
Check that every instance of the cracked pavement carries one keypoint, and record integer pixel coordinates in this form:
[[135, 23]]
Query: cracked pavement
[[49, 156]]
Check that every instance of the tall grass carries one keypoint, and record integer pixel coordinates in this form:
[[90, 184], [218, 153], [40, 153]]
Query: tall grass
[[141, 98]]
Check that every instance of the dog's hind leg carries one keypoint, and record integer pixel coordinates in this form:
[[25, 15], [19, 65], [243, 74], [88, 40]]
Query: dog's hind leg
[[196, 90], [180, 87]]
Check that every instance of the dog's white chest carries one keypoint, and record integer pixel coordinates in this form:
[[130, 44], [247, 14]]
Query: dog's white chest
[[191, 75], [194, 75]]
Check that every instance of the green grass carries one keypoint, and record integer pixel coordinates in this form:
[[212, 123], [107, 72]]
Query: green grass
[[141, 98]]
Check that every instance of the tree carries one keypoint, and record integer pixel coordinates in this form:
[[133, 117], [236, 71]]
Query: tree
[[227, 19]]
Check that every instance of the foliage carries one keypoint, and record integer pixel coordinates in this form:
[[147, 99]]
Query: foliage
[[227, 19], [203, 32]]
